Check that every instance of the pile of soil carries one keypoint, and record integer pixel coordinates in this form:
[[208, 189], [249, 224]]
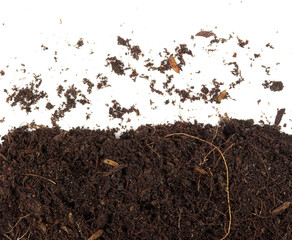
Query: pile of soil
[[85, 184]]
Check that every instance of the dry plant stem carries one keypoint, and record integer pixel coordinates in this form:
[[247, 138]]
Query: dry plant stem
[[19, 221], [205, 158], [227, 173], [3, 157], [7, 236], [34, 175]]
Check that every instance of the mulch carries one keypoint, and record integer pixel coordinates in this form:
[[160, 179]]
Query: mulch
[[151, 183]]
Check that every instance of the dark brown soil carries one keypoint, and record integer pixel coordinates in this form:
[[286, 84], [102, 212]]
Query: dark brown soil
[[279, 116], [117, 65], [27, 96], [73, 96], [84, 184], [274, 86], [205, 34], [116, 111], [242, 43], [80, 43]]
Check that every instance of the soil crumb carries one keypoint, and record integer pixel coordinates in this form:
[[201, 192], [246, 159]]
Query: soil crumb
[[27, 96]]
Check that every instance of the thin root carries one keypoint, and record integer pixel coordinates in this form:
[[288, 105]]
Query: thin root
[[227, 173], [19, 221], [34, 175]]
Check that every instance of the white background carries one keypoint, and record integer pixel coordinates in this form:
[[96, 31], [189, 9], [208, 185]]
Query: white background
[[153, 25]]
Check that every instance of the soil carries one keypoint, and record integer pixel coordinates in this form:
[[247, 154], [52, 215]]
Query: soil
[[80, 43], [279, 116], [116, 111], [72, 96], [27, 96], [117, 65], [85, 184], [151, 183], [33, 92], [274, 86]]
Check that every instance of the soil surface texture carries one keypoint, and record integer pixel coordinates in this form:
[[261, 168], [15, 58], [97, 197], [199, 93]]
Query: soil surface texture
[[151, 183]]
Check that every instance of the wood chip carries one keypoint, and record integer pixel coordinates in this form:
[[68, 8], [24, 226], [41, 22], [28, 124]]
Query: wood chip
[[110, 162], [284, 206], [70, 217], [279, 116], [96, 235], [222, 95], [173, 64], [205, 34], [115, 169], [200, 170]]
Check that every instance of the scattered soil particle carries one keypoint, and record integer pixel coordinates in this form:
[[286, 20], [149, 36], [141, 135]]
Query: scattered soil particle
[[123, 42], [28, 95], [274, 86], [60, 89], [116, 111], [80, 43], [257, 55], [205, 90], [135, 50], [205, 34], [164, 65], [117, 65], [181, 50], [55, 57], [236, 72], [88, 115], [279, 116], [2, 120], [153, 89], [215, 41], [2, 73], [44, 47], [134, 75], [103, 81], [89, 84], [215, 91], [49, 106], [267, 69], [269, 45], [72, 96], [78, 184], [185, 94], [167, 83], [242, 43]]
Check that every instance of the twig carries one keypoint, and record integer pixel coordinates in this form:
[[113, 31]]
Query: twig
[[205, 158], [3, 156], [19, 221], [7, 236], [23, 234], [227, 174], [34, 175]]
